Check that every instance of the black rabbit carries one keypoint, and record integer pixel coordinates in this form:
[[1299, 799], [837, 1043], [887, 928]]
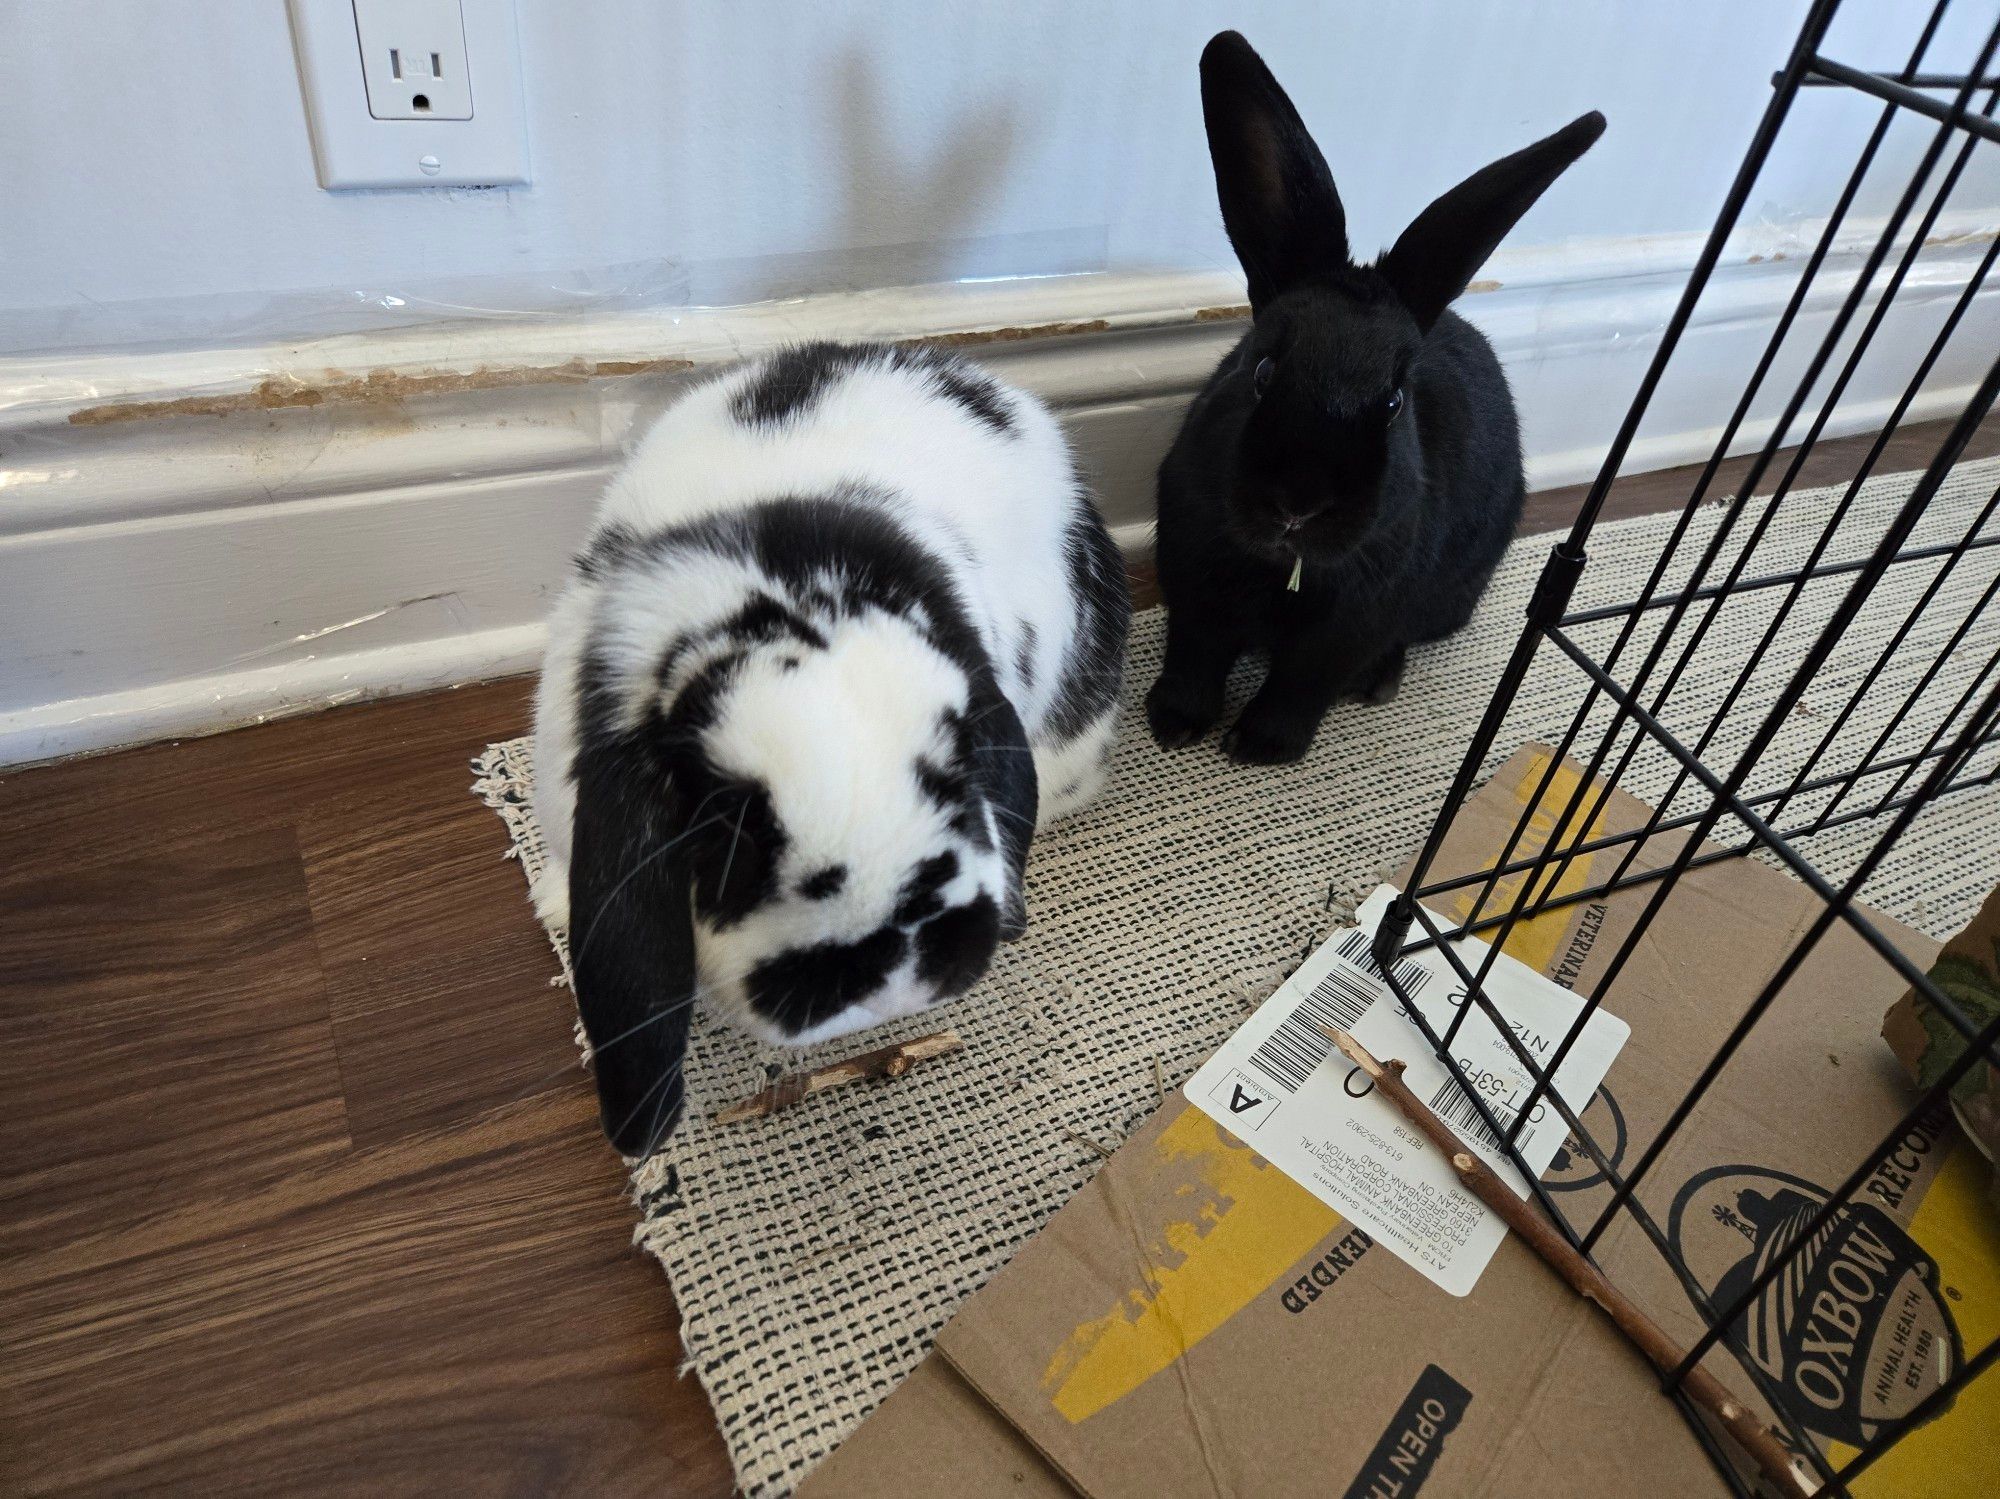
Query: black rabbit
[[1345, 483]]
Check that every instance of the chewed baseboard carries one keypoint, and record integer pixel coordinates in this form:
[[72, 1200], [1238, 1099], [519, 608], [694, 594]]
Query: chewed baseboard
[[196, 540]]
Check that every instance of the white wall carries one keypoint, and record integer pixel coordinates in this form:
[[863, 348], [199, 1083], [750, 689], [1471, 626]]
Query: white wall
[[156, 181], [256, 458]]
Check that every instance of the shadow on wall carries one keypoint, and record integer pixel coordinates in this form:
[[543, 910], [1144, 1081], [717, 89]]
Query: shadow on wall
[[937, 186]]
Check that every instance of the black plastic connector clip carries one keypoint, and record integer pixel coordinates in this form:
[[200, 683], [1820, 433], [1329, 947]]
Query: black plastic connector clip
[[1391, 931], [1556, 584]]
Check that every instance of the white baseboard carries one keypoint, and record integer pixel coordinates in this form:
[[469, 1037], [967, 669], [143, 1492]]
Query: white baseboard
[[195, 540]]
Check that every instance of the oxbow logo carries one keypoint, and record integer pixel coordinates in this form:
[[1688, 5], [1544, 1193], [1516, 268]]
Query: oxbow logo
[[1853, 1330]]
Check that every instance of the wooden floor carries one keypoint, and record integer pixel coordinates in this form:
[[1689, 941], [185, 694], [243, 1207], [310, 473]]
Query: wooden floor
[[300, 1190]]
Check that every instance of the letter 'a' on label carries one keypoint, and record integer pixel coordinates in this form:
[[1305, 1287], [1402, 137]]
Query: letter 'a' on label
[[1277, 1086]]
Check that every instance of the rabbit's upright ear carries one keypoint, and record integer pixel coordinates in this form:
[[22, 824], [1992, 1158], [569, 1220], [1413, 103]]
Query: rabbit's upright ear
[[1003, 766], [1438, 255], [1279, 203], [631, 939]]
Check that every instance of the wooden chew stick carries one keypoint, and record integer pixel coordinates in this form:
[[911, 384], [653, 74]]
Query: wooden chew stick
[[1789, 1475], [885, 1061]]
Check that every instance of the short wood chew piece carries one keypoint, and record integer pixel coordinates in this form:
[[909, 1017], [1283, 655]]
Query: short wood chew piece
[[884, 1061], [1788, 1474]]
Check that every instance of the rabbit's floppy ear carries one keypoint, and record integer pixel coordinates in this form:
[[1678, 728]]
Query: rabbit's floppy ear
[[632, 938], [1278, 200], [1003, 767], [1438, 255]]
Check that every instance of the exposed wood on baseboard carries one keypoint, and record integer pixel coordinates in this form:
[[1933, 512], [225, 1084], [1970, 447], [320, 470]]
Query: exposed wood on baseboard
[[976, 336], [388, 386], [383, 386]]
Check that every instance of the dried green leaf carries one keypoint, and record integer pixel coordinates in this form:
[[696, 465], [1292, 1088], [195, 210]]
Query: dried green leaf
[[1972, 988]]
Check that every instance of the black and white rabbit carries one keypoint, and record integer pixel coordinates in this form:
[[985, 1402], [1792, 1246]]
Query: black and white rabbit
[[1345, 483], [848, 628]]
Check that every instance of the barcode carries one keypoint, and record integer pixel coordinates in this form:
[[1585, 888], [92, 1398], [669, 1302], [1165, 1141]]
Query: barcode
[[1355, 948], [1291, 1052], [1454, 1106]]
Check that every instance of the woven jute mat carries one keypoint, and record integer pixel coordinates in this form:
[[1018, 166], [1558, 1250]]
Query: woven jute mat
[[816, 1253]]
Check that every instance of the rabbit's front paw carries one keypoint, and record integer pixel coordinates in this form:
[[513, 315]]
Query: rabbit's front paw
[[1383, 680], [1269, 736], [1179, 711]]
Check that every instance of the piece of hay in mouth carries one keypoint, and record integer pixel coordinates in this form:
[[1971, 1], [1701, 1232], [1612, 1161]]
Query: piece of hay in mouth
[[883, 1062]]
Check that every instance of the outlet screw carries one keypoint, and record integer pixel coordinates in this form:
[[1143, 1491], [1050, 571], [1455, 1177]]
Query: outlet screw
[[431, 165]]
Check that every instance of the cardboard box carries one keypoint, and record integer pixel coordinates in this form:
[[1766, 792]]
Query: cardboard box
[[1195, 1324], [1968, 970], [936, 1435]]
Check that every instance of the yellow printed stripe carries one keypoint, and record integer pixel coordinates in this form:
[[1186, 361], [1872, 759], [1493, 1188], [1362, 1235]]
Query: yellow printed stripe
[[1535, 940], [1957, 1456], [1246, 1224]]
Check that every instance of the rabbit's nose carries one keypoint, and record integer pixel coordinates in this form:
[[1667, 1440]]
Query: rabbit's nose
[[1293, 510]]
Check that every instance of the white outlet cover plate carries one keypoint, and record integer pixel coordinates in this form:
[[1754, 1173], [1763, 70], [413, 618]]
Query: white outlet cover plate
[[351, 148]]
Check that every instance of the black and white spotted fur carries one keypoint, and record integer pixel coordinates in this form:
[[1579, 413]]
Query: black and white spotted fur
[[847, 630]]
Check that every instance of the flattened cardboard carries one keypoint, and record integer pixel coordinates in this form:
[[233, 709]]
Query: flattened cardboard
[[1968, 970], [935, 1435], [1194, 1324]]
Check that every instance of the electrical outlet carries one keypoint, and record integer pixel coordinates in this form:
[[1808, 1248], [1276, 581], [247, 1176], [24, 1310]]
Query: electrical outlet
[[412, 93], [413, 59]]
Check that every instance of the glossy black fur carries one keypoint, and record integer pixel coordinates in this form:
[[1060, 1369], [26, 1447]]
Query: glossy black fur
[[823, 884], [949, 943], [662, 834], [633, 967], [796, 378], [1095, 663], [809, 984], [1360, 429]]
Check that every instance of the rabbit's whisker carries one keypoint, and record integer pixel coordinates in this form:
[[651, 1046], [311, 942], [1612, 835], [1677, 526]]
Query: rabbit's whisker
[[694, 997], [728, 864], [666, 1079], [576, 955]]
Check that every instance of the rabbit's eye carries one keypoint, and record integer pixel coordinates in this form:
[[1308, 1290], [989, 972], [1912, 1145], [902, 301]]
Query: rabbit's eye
[[1392, 405], [1260, 377]]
